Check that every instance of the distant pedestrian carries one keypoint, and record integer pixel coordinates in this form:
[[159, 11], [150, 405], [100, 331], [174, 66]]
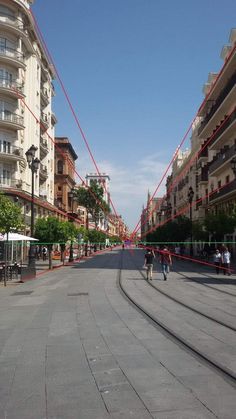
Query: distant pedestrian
[[166, 261], [148, 263], [123, 246], [226, 256], [177, 251], [44, 252], [217, 258]]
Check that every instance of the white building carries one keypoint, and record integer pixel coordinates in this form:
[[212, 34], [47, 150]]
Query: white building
[[26, 93]]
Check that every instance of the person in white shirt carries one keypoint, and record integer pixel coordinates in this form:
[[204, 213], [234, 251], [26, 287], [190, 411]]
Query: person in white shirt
[[226, 256], [217, 260]]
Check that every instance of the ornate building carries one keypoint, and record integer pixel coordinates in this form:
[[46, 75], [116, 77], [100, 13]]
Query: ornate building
[[26, 116]]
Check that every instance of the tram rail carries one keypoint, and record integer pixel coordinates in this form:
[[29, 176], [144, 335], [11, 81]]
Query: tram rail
[[203, 356]]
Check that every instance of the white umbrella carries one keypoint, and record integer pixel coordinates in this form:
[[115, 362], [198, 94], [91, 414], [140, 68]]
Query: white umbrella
[[16, 237]]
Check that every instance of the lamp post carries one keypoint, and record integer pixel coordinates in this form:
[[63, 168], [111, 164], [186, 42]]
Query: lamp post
[[190, 200], [33, 163], [72, 195], [233, 165]]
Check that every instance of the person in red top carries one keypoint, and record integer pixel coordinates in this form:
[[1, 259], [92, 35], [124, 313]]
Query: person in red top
[[166, 261]]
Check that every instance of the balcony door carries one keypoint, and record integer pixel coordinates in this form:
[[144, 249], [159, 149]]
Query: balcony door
[[5, 176], [5, 146], [6, 78]]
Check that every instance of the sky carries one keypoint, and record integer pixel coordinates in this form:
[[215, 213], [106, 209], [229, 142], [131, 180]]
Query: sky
[[134, 72]]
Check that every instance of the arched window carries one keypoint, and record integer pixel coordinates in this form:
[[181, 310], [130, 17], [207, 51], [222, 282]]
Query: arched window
[[60, 167]]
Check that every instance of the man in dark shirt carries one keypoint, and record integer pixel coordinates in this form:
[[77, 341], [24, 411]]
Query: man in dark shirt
[[149, 256]]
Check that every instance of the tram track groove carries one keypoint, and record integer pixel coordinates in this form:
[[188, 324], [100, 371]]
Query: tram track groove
[[206, 285], [218, 366]]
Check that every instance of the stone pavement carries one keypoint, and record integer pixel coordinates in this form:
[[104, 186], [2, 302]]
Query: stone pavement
[[71, 347]]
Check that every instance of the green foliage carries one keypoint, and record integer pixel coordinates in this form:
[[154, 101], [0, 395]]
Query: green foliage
[[95, 236], [92, 200], [11, 218], [174, 231], [220, 224], [199, 231]]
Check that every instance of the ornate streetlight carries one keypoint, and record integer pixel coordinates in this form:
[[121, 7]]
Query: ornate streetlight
[[190, 200], [33, 163], [72, 195]]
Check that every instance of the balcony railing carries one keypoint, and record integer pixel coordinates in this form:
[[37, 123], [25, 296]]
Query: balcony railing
[[6, 182], [43, 171], [11, 84], [221, 158], [44, 119], [204, 174], [11, 20], [230, 187], [44, 145], [203, 152], [10, 149], [11, 117], [224, 126], [229, 86], [12, 53]]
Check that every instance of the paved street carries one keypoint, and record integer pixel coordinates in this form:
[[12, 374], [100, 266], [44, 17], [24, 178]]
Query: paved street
[[72, 347]]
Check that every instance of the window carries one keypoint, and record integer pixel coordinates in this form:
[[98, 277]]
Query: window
[[59, 188], [227, 179], [60, 167], [5, 146]]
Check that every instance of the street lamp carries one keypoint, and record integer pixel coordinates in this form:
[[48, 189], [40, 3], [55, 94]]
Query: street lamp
[[190, 200], [33, 163], [72, 195], [233, 165]]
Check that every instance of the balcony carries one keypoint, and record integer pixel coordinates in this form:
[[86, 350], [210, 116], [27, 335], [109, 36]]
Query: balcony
[[43, 172], [10, 152], [203, 153], [203, 178], [221, 158], [228, 189], [43, 147], [229, 86], [221, 130], [43, 194], [11, 87], [6, 182], [11, 120], [10, 54], [10, 20], [44, 120], [53, 119], [44, 96]]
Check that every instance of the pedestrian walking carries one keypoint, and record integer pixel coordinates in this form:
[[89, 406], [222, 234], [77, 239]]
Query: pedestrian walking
[[226, 256], [44, 252], [166, 261], [217, 258], [148, 263]]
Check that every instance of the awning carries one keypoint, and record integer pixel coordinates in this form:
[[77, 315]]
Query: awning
[[16, 237]]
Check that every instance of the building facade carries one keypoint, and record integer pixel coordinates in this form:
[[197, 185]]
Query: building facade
[[26, 116]]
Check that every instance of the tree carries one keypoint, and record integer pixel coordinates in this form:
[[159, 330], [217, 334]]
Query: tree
[[92, 200], [50, 230], [10, 219], [173, 231], [67, 231], [199, 231], [220, 224]]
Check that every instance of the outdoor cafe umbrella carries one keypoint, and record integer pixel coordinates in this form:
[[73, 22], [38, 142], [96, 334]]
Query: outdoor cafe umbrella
[[16, 237]]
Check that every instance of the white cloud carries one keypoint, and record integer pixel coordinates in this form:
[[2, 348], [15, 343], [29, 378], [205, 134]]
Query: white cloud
[[129, 185]]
